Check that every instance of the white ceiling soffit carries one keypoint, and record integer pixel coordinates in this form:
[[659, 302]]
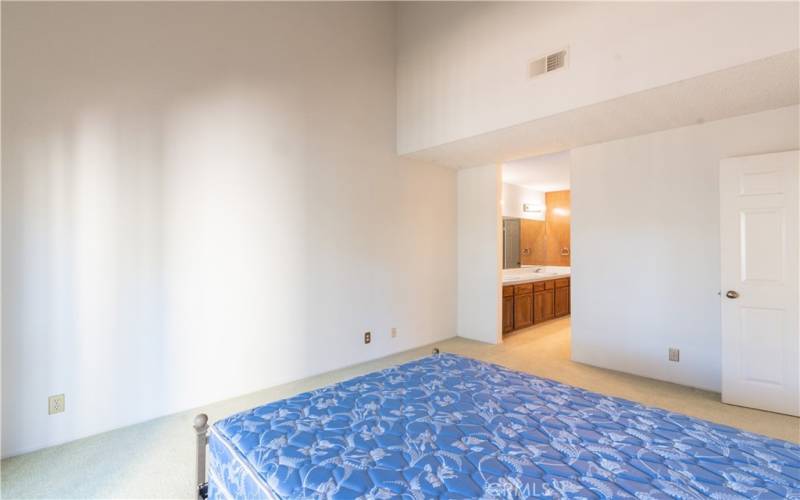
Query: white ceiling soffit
[[542, 173], [760, 85]]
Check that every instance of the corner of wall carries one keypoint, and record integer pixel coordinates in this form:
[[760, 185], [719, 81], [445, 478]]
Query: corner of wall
[[479, 253]]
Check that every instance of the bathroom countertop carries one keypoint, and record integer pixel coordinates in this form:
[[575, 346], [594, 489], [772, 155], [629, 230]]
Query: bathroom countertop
[[528, 274]]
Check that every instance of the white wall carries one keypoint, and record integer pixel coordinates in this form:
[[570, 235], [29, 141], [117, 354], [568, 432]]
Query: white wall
[[645, 240], [201, 200], [480, 253], [462, 66], [514, 197]]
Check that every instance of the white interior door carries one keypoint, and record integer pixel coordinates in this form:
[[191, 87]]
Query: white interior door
[[760, 222]]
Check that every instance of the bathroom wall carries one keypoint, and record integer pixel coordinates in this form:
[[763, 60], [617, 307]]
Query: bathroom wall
[[557, 220], [542, 242], [533, 242], [515, 197]]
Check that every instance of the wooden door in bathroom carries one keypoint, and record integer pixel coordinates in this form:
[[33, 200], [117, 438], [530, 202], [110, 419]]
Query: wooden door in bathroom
[[760, 271]]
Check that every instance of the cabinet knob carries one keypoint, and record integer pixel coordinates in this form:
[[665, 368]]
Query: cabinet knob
[[732, 294]]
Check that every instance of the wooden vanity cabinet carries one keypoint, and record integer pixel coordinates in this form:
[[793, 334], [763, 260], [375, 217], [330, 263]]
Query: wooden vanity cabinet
[[562, 298], [543, 305], [508, 309], [523, 306], [531, 303]]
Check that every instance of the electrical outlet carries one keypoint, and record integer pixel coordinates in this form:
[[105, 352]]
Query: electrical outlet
[[55, 404], [674, 354], [394, 332], [367, 337]]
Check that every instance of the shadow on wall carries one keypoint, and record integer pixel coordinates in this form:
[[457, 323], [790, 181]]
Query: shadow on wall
[[83, 266], [139, 240], [187, 214]]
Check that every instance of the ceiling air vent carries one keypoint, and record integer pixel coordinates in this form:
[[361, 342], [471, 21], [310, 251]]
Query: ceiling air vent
[[547, 64]]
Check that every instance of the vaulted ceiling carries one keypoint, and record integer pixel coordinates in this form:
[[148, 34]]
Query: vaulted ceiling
[[760, 85]]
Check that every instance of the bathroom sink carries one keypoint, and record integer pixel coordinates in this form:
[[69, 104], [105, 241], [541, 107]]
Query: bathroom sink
[[534, 273]]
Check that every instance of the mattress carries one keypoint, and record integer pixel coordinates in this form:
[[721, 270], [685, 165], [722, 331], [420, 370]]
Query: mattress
[[453, 427]]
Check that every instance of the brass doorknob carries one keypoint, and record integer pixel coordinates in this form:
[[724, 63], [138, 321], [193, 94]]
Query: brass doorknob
[[732, 294]]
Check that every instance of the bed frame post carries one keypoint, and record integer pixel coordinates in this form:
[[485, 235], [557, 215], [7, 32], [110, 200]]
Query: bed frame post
[[201, 428], [435, 351]]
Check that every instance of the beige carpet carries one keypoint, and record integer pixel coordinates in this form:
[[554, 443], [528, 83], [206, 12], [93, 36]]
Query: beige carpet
[[155, 459]]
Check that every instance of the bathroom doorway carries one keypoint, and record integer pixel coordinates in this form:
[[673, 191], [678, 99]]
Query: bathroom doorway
[[536, 274]]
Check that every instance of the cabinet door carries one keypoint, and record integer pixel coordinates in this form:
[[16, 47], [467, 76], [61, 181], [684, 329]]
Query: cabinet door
[[548, 305], [508, 314], [543, 306], [523, 311], [562, 302]]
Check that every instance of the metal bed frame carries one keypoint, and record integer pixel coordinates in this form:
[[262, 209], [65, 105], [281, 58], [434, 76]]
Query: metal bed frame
[[200, 425], [201, 430]]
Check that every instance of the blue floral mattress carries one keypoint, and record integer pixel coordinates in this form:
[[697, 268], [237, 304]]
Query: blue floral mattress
[[452, 427]]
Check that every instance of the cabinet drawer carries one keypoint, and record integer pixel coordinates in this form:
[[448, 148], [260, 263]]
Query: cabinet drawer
[[523, 289], [538, 286], [508, 291], [561, 283]]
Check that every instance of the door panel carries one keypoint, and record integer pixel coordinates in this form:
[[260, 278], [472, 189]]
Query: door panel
[[761, 331], [761, 182], [760, 267], [763, 244]]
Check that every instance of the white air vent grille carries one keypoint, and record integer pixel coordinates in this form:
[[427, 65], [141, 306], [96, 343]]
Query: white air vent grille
[[555, 61], [547, 64]]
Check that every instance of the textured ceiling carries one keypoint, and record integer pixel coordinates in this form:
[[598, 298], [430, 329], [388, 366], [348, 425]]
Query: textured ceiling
[[542, 173], [761, 85]]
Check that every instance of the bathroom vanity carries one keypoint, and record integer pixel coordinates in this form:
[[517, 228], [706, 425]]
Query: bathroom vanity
[[534, 294]]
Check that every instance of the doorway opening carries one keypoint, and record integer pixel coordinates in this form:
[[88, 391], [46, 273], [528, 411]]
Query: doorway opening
[[537, 251]]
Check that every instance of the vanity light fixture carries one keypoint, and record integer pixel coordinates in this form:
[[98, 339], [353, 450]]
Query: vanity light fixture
[[561, 211], [530, 208]]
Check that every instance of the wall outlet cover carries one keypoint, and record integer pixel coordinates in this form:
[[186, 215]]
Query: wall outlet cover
[[367, 337], [674, 354], [394, 332], [55, 404]]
